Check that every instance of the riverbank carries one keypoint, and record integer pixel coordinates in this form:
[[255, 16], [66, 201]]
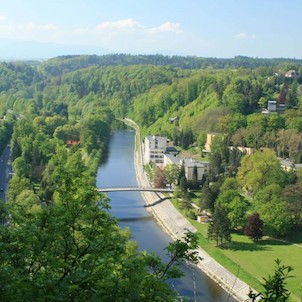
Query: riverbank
[[176, 226]]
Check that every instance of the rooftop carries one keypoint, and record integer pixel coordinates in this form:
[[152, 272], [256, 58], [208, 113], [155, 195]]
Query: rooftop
[[175, 159], [289, 164], [192, 162]]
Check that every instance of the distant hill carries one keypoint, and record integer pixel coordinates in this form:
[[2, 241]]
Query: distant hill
[[63, 64]]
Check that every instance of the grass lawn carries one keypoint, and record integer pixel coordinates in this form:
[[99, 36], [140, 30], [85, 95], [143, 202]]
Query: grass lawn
[[195, 196], [251, 261], [259, 259]]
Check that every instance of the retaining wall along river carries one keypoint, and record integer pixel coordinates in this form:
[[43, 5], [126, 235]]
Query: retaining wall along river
[[131, 209]]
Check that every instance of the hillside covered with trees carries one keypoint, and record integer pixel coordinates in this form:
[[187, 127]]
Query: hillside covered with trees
[[58, 115]]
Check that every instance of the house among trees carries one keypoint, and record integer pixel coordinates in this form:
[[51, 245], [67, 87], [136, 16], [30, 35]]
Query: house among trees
[[204, 218], [73, 142], [273, 106], [288, 165], [291, 74], [174, 119], [243, 150], [210, 137], [189, 164]]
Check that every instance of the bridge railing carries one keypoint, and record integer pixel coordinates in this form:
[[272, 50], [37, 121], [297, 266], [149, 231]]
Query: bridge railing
[[134, 188]]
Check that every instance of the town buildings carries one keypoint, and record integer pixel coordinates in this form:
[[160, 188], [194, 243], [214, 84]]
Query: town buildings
[[202, 168], [155, 147], [157, 151]]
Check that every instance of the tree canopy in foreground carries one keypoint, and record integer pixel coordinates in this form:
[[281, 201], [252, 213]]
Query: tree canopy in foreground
[[71, 249]]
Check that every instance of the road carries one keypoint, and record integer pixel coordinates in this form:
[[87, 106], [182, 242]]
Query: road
[[5, 170]]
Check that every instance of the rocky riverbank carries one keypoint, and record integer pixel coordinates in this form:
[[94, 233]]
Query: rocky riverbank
[[176, 225]]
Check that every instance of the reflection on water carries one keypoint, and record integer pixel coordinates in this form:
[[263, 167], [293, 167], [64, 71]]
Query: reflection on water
[[129, 208], [134, 219]]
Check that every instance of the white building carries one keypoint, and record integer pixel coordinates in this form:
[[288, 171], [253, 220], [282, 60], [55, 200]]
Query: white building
[[288, 165], [189, 164], [291, 74], [155, 147], [272, 106]]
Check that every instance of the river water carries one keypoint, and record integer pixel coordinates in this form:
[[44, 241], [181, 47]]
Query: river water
[[118, 170]]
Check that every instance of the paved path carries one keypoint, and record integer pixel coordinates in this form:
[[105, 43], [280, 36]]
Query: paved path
[[176, 225]]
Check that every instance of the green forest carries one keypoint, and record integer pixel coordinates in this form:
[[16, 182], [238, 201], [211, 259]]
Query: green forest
[[57, 116]]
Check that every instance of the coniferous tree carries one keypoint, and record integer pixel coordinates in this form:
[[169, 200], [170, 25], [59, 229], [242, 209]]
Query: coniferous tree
[[194, 182], [182, 173], [208, 196], [183, 184], [220, 226]]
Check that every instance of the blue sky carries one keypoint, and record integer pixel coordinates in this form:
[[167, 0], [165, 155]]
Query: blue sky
[[212, 28]]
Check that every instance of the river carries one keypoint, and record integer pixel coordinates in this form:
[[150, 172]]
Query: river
[[118, 170]]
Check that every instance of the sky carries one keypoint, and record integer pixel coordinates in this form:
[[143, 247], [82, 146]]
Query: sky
[[37, 29]]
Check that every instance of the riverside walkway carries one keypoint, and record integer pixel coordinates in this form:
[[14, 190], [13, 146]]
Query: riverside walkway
[[125, 189], [176, 225]]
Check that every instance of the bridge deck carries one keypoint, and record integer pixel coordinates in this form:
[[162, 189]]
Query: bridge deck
[[128, 189]]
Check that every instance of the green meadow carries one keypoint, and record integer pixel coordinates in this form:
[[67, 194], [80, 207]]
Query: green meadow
[[254, 261]]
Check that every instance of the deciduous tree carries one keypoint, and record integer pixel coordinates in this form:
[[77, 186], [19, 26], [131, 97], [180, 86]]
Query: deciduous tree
[[292, 195], [159, 179], [275, 285], [236, 207], [254, 227], [171, 173], [259, 170], [275, 216], [73, 250]]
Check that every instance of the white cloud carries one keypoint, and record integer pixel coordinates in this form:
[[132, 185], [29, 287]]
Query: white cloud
[[126, 35], [129, 35], [167, 27], [119, 25], [245, 36], [241, 36], [49, 26], [29, 31]]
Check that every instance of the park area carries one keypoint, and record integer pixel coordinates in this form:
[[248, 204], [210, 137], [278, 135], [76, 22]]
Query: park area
[[252, 262]]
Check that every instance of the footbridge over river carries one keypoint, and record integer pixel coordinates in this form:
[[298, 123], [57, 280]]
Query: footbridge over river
[[125, 189]]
